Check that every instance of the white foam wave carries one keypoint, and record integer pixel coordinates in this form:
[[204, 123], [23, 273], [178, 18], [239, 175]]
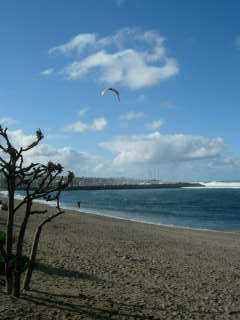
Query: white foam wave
[[18, 196], [4, 193], [221, 185]]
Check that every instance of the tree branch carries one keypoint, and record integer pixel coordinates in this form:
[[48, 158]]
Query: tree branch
[[39, 136], [3, 133], [59, 211], [20, 204], [39, 211]]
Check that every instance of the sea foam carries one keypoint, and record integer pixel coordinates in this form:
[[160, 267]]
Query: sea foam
[[221, 184]]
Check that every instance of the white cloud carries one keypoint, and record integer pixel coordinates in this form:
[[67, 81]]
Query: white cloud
[[19, 138], [82, 112], [98, 124], [7, 121], [135, 59], [127, 67], [225, 162], [47, 72], [82, 163], [154, 125], [172, 157], [132, 115], [78, 43], [159, 148], [77, 126]]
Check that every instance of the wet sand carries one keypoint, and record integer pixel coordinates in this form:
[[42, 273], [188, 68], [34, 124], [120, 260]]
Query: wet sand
[[94, 267]]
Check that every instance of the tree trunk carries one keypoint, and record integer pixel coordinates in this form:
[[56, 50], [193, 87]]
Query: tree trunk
[[32, 259], [17, 273], [9, 266], [9, 276], [33, 255]]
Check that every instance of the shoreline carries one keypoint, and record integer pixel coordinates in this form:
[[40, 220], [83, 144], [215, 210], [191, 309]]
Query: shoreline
[[148, 223], [102, 214]]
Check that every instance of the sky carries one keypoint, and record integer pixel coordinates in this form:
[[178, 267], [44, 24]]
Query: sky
[[175, 63]]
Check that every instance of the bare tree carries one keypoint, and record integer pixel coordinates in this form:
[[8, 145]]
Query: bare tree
[[35, 243], [38, 181]]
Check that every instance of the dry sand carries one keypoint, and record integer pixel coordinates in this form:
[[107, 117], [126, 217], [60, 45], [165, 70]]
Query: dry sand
[[93, 267]]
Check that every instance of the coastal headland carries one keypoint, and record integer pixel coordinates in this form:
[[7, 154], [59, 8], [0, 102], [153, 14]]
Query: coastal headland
[[125, 186], [167, 185]]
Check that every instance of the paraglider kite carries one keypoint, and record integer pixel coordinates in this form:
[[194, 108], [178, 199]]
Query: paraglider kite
[[112, 90]]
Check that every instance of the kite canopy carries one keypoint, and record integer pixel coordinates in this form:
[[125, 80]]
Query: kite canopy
[[113, 91]]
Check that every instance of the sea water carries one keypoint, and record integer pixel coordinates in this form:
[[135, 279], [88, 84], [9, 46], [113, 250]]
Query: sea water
[[212, 207], [215, 206]]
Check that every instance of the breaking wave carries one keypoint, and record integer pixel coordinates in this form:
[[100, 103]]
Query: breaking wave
[[221, 185]]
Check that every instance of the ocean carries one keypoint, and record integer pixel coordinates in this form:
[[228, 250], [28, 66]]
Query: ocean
[[214, 207]]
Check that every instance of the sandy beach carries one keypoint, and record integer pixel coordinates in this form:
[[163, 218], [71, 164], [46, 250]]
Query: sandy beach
[[94, 267]]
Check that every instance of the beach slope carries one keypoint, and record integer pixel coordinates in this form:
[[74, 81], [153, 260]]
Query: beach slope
[[94, 267]]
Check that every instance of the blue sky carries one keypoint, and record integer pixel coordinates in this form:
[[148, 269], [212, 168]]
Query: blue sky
[[175, 63]]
